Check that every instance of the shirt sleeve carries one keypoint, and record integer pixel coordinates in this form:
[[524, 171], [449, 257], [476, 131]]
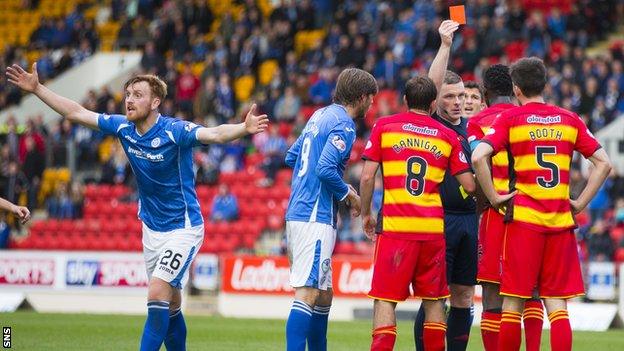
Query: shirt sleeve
[[372, 151], [475, 134], [184, 133], [109, 124], [586, 143], [458, 163], [498, 135], [293, 152], [336, 149]]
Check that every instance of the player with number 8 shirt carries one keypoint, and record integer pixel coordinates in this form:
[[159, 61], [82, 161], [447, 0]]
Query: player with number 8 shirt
[[414, 152]]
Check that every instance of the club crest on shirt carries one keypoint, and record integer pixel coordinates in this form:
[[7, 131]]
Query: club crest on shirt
[[189, 126], [326, 265], [155, 142], [462, 157], [339, 143]]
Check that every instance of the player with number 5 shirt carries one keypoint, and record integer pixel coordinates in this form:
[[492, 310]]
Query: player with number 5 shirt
[[539, 250]]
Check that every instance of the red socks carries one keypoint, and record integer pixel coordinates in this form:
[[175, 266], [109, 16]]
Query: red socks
[[533, 319], [490, 326], [510, 338], [384, 338], [434, 336], [560, 331]]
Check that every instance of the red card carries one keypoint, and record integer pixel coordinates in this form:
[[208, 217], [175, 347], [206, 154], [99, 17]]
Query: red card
[[458, 14]]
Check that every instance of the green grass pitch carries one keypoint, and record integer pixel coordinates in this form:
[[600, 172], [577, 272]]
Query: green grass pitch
[[38, 331]]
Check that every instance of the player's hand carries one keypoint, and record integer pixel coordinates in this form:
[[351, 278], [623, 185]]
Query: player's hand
[[576, 207], [501, 199], [446, 30], [24, 80], [21, 212], [255, 123], [369, 223], [353, 201]]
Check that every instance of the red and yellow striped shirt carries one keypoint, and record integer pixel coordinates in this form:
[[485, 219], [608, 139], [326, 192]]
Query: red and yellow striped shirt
[[541, 139], [478, 126], [414, 151]]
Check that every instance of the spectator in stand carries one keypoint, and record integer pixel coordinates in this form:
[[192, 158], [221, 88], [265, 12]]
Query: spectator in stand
[[15, 183], [45, 65], [125, 34], [187, 86], [117, 169], [205, 103], [619, 211], [224, 206], [77, 199], [5, 232], [152, 62], [287, 107], [225, 99], [274, 150], [83, 52], [601, 201], [60, 205], [600, 246], [33, 167], [12, 138], [320, 92]]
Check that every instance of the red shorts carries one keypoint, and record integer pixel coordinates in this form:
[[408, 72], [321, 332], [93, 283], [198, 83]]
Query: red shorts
[[399, 263], [546, 261], [491, 232]]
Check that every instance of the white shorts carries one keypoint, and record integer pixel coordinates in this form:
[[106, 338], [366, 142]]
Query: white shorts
[[168, 255], [310, 246]]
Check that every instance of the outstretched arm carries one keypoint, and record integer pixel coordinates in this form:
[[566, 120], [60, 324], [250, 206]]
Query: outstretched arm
[[21, 212], [227, 132], [440, 62], [67, 108]]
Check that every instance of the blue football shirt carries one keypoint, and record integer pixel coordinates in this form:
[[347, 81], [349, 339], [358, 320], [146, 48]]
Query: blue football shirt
[[319, 157], [162, 162]]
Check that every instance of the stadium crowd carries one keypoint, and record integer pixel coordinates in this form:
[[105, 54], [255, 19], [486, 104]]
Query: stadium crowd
[[213, 65]]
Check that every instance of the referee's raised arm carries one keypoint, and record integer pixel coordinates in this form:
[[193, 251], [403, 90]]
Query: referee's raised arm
[[67, 108]]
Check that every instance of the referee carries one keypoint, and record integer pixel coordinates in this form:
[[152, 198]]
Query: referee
[[460, 218]]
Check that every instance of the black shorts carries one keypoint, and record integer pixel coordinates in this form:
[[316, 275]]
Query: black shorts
[[461, 232]]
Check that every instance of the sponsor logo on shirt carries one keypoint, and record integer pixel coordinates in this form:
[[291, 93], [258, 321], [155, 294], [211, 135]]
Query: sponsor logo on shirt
[[105, 116], [339, 143], [156, 142], [490, 131], [544, 120], [472, 138], [420, 130], [146, 155], [130, 139], [369, 145]]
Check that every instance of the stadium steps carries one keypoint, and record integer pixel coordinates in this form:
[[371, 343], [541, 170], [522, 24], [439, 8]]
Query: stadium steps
[[615, 38]]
